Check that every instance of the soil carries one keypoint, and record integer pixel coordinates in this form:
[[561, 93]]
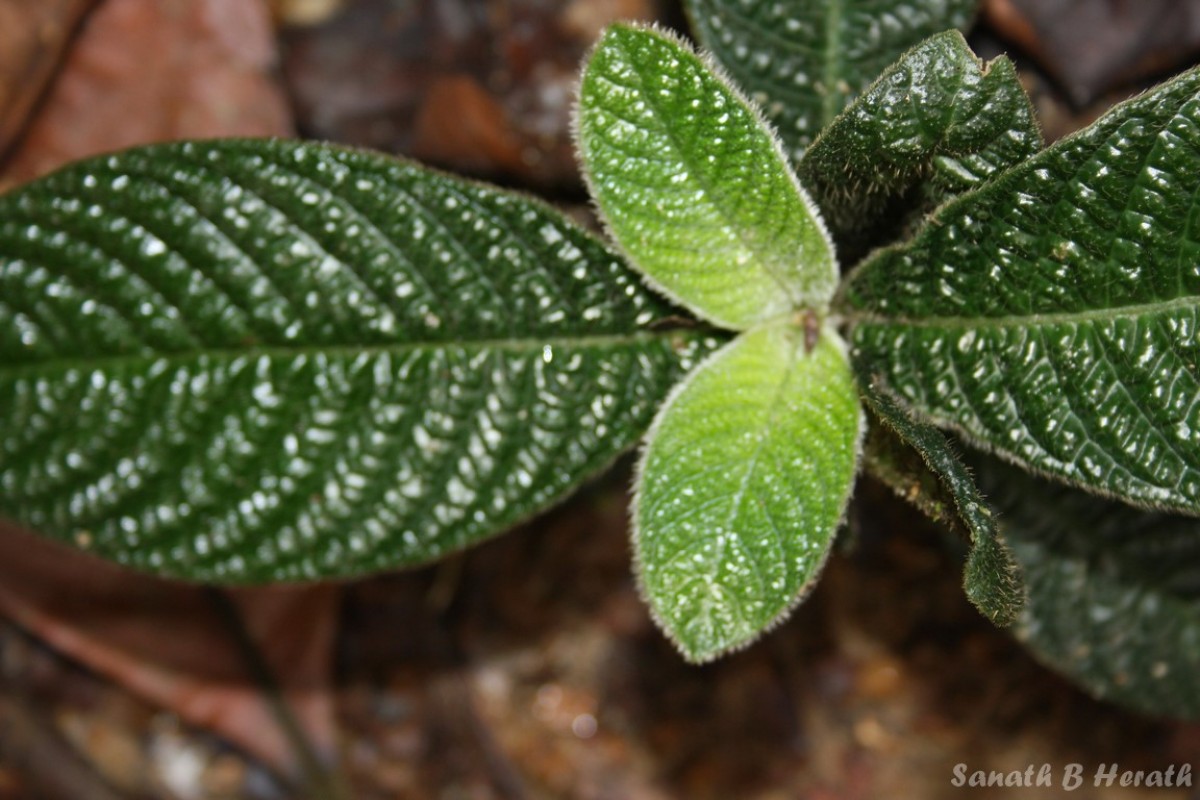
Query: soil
[[528, 667]]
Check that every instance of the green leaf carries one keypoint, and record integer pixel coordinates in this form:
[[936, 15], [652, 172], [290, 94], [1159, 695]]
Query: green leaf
[[803, 61], [693, 187], [991, 579], [253, 360], [893, 462], [1051, 316], [1114, 592], [938, 119], [744, 479]]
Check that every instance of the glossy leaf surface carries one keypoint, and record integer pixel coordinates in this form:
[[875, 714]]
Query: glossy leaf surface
[[991, 578], [253, 360], [745, 477], [1114, 591], [1051, 316], [692, 185], [938, 119], [803, 61]]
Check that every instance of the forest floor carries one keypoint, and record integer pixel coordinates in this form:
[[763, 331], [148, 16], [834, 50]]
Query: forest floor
[[527, 667]]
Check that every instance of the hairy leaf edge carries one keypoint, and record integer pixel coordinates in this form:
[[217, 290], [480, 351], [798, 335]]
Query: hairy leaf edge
[[985, 66], [874, 390], [714, 66], [832, 42], [989, 448], [635, 504], [851, 316]]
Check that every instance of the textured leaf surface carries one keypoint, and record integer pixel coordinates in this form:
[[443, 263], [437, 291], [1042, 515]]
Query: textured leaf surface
[[742, 485], [938, 119], [1114, 592], [1051, 316], [252, 361], [991, 579], [693, 187], [893, 462], [803, 61]]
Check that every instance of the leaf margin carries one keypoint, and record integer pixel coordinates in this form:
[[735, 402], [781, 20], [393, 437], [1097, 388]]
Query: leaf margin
[[828, 337], [677, 341], [718, 72]]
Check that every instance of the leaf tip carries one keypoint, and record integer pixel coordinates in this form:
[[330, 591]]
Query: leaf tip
[[992, 581]]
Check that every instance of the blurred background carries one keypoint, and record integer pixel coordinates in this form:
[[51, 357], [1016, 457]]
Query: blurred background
[[527, 667]]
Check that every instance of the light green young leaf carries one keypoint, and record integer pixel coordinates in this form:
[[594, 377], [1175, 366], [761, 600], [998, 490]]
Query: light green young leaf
[[1051, 316], [803, 61], [692, 185], [1114, 591], [938, 119], [744, 479], [991, 580], [251, 360]]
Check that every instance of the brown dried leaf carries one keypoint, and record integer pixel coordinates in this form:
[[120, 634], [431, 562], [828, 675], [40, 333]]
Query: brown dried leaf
[[483, 87], [154, 70], [33, 36], [1092, 47], [166, 642]]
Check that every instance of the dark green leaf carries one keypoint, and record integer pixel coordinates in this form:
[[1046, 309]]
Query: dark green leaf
[[890, 460], [255, 360], [693, 186], [1113, 592], [742, 485], [1051, 316], [938, 118], [803, 61], [991, 579]]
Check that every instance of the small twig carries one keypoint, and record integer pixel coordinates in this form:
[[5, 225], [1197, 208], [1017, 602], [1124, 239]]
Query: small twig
[[322, 783]]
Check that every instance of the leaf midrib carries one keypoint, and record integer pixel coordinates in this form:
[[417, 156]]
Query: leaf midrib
[[1027, 321], [695, 173], [773, 409], [341, 350], [831, 69]]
